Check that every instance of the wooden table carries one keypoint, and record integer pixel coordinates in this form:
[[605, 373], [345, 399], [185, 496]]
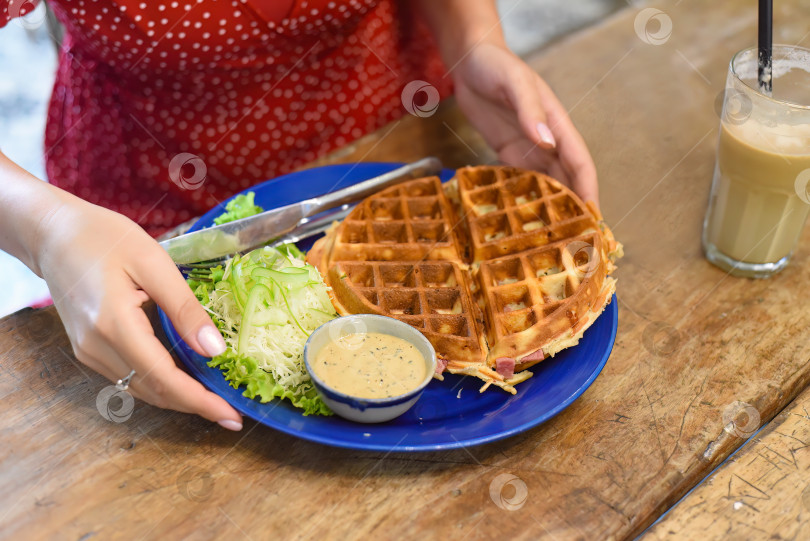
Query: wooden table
[[700, 361], [762, 492]]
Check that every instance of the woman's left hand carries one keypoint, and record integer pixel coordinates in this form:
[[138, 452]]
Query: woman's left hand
[[521, 118]]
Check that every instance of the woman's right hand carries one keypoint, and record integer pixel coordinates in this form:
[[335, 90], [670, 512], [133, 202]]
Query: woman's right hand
[[100, 268]]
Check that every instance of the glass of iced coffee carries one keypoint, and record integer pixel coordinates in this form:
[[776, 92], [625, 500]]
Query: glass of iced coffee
[[760, 195]]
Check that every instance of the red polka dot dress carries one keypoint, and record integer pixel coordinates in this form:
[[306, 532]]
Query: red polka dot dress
[[163, 108]]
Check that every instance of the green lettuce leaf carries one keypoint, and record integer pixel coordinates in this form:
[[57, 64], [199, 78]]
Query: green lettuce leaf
[[240, 370], [239, 207]]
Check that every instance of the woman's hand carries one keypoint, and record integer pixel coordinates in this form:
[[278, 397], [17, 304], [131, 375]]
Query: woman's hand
[[512, 107], [100, 268], [521, 118]]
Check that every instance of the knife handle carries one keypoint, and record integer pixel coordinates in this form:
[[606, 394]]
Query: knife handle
[[422, 168]]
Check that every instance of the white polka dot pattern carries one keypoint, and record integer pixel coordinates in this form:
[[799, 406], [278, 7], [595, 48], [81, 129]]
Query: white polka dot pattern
[[254, 88]]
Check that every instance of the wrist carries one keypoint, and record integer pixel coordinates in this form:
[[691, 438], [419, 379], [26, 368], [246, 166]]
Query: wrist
[[455, 52], [460, 25], [27, 205], [47, 224]]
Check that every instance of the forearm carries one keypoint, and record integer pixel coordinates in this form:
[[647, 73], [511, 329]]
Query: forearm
[[460, 25], [26, 203]]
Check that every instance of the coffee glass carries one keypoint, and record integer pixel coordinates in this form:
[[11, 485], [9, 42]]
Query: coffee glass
[[759, 199]]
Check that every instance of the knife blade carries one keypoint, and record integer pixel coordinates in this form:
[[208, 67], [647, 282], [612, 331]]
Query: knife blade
[[253, 231]]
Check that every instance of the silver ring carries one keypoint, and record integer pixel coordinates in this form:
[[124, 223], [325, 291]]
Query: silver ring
[[123, 383]]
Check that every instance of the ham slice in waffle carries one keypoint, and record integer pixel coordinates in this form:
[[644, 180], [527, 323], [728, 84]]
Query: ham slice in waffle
[[499, 268]]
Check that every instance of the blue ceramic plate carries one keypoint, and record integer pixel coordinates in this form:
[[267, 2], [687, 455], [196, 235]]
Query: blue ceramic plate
[[450, 413]]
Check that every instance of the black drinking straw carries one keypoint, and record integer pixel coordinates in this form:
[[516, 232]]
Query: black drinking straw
[[764, 73]]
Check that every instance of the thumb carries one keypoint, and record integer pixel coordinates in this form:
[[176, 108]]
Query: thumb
[[159, 278]]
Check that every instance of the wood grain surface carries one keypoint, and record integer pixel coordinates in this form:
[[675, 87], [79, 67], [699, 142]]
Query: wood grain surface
[[692, 345], [762, 492]]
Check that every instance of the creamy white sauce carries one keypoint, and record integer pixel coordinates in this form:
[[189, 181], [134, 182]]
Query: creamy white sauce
[[370, 365]]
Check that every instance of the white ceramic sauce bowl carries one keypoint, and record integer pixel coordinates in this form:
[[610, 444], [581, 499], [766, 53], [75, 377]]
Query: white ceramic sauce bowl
[[368, 410]]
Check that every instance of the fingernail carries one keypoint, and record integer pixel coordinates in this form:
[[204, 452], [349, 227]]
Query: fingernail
[[545, 134], [211, 341], [236, 426]]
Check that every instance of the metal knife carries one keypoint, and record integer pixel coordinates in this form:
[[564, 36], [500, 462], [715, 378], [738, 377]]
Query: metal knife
[[253, 231]]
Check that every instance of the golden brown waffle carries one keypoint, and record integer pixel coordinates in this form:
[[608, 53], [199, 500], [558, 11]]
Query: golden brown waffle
[[538, 278], [412, 221], [509, 210], [541, 259], [397, 254], [433, 296], [536, 296]]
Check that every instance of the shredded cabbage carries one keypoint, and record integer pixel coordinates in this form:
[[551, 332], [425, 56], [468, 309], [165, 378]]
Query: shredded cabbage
[[266, 304]]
